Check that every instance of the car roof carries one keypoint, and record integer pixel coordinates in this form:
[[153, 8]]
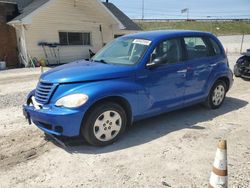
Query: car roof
[[161, 34]]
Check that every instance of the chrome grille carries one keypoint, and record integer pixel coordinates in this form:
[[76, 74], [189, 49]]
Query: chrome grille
[[44, 91], [246, 63]]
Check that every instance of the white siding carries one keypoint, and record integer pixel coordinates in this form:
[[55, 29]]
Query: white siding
[[63, 15]]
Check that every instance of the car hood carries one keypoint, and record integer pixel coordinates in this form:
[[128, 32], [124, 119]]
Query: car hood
[[81, 71]]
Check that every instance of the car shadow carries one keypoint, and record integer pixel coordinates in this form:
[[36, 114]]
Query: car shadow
[[153, 128], [245, 79]]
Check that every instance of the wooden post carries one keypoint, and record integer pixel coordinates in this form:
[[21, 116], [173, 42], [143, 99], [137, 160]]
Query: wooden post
[[242, 41], [41, 69]]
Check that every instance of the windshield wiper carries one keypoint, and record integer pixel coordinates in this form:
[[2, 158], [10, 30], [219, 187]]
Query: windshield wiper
[[100, 61]]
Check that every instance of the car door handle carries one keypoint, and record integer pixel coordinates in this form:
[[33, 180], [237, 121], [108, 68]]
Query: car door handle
[[212, 65], [182, 71]]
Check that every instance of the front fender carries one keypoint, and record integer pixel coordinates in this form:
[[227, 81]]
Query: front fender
[[124, 88], [32, 93]]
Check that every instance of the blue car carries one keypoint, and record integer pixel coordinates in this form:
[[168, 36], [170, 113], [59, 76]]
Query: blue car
[[132, 78]]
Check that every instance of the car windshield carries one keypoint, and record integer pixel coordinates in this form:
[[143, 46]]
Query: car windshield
[[125, 51]]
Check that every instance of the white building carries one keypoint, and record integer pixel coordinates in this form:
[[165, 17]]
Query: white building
[[77, 25]]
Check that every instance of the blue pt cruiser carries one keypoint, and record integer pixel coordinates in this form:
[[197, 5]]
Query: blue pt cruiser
[[134, 77]]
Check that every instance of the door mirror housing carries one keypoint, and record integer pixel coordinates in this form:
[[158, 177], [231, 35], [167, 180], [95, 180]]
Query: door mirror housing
[[155, 62]]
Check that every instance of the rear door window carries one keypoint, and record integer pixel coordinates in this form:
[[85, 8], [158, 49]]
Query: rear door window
[[197, 47]]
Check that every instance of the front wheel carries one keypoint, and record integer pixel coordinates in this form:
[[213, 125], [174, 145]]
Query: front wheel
[[217, 95], [105, 124]]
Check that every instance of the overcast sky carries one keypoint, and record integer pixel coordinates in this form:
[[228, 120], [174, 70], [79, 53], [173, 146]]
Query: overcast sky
[[197, 8]]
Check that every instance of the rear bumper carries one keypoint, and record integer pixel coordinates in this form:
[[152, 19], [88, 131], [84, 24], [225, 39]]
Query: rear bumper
[[56, 121]]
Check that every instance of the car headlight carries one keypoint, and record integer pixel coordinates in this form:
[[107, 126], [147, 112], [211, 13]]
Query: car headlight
[[72, 101]]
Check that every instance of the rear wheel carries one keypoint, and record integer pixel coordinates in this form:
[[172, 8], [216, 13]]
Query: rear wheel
[[105, 124], [217, 95]]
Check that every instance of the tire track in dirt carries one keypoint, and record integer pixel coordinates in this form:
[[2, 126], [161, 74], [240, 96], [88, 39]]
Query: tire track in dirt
[[13, 99], [18, 79], [22, 146]]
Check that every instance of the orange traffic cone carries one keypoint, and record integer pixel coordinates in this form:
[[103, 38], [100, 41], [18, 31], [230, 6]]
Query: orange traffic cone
[[218, 178]]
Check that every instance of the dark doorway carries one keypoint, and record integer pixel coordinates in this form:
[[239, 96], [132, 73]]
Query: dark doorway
[[8, 41]]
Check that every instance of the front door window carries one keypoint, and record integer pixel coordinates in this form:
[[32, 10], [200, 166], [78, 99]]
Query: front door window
[[169, 51]]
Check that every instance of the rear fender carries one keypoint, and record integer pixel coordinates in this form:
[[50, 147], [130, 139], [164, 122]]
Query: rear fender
[[217, 73]]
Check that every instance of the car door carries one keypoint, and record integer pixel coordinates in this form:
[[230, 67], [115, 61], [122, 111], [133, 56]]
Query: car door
[[164, 85], [199, 66]]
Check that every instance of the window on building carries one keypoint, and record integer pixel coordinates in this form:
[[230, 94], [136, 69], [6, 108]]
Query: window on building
[[75, 38], [63, 38], [86, 39]]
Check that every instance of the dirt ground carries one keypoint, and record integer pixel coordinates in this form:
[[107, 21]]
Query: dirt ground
[[176, 149]]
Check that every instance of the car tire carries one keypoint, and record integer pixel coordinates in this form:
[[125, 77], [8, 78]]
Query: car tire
[[216, 95], [105, 124]]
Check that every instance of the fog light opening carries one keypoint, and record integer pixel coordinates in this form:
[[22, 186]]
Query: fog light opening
[[59, 129]]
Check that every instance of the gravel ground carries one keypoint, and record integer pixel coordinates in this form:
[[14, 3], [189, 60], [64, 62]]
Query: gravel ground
[[176, 149], [232, 43]]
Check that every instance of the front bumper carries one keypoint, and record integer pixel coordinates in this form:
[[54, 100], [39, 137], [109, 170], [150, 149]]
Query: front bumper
[[242, 71], [245, 72], [54, 120]]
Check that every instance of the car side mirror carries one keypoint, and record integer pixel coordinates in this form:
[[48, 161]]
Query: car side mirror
[[155, 62]]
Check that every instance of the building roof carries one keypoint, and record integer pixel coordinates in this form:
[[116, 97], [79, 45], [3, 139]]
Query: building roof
[[8, 1], [26, 7], [20, 3], [123, 18], [29, 8]]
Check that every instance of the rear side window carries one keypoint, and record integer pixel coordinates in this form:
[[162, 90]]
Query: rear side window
[[216, 48], [196, 47]]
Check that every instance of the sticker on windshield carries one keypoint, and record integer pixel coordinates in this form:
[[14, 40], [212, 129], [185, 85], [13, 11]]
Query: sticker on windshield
[[142, 42]]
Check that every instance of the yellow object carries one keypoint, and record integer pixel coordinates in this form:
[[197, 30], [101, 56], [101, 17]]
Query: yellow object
[[42, 63], [41, 69]]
